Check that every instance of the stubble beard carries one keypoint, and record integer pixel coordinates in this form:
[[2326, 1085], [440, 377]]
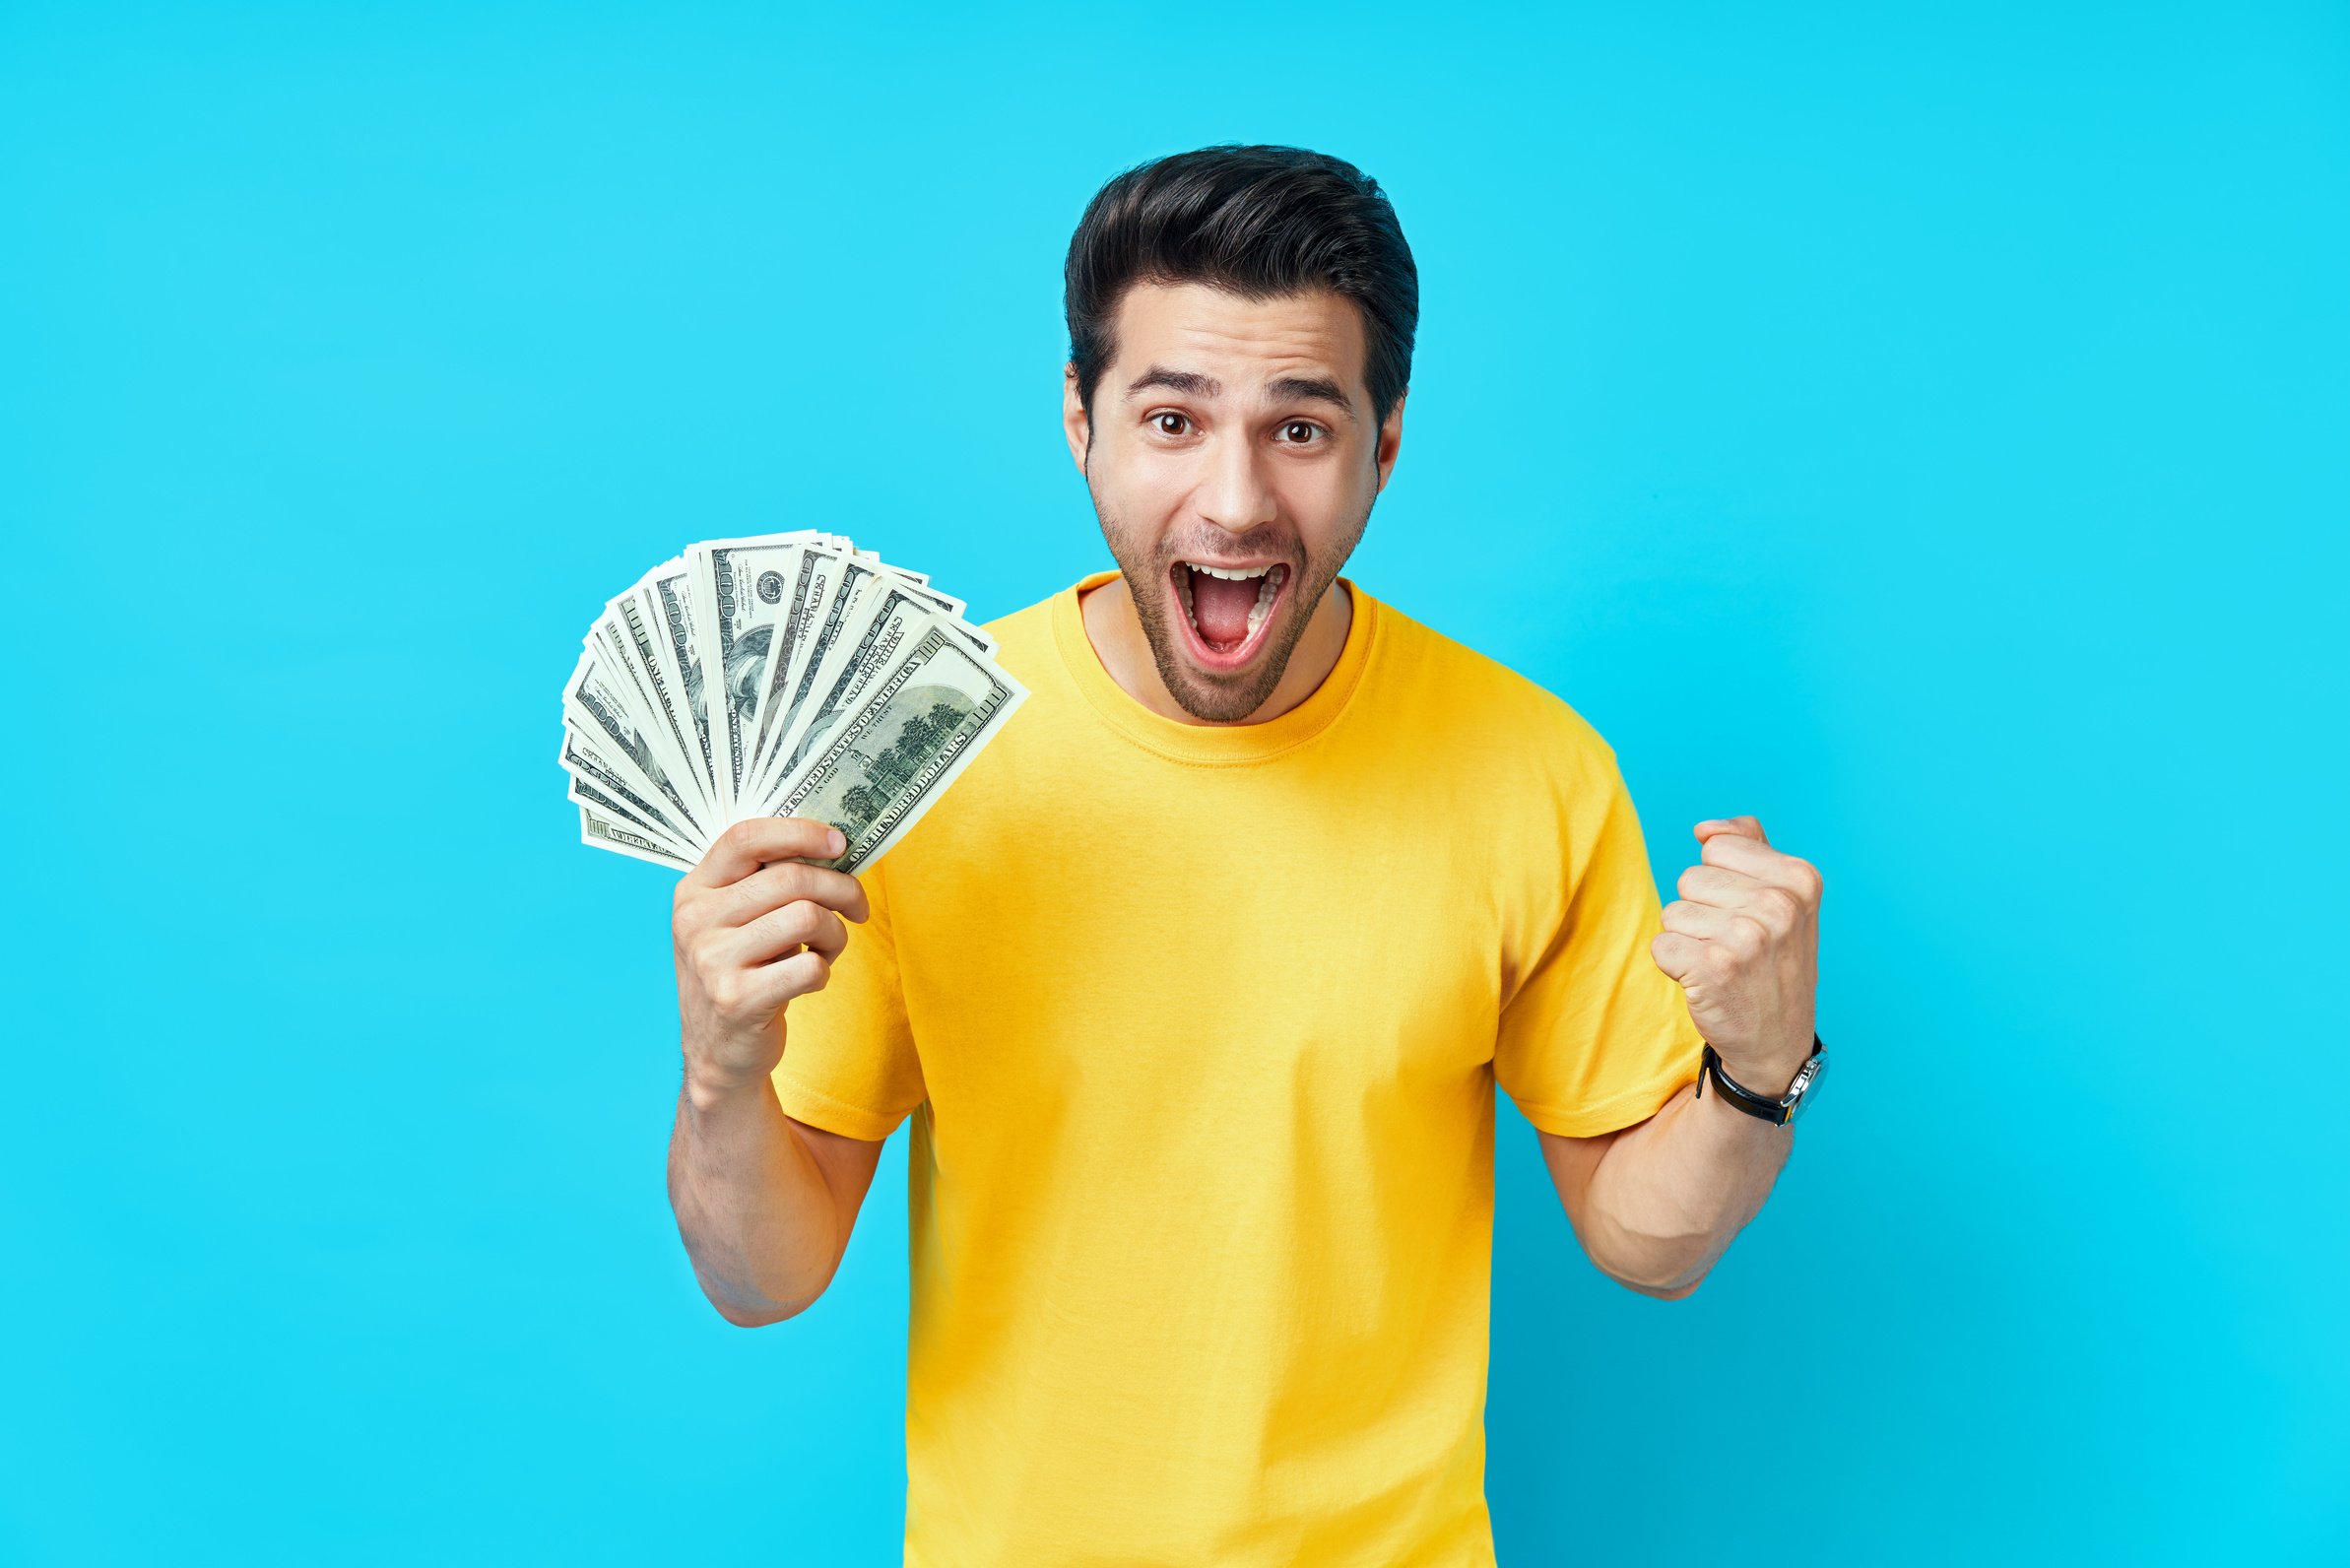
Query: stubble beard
[[1230, 700]]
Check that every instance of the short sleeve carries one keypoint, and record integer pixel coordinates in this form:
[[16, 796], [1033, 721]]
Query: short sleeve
[[1597, 1037], [848, 1064]]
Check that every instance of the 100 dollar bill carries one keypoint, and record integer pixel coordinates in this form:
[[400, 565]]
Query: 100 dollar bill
[[915, 727]]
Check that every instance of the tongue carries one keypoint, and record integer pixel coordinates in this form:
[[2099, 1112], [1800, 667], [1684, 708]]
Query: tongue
[[1220, 607]]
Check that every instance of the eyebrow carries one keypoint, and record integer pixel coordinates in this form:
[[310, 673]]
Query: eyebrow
[[1281, 389]]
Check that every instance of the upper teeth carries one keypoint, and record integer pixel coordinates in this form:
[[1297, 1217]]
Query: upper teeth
[[1240, 576]]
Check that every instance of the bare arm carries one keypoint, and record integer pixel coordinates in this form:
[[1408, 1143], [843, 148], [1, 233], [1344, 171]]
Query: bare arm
[[1656, 1205], [765, 1202]]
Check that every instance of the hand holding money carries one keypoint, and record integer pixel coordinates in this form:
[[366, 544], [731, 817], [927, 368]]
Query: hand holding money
[[753, 926], [786, 674]]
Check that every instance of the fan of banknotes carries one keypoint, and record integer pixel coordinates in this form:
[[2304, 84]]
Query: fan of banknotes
[[788, 675]]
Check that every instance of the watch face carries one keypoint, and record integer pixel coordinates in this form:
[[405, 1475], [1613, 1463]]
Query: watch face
[[1806, 1081]]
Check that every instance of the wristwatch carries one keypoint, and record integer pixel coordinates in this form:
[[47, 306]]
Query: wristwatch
[[1777, 1112]]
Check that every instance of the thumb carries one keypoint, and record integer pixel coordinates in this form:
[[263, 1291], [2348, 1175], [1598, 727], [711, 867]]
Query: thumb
[[1742, 827]]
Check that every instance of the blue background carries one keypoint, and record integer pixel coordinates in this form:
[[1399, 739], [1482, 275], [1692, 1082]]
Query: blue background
[[1927, 434]]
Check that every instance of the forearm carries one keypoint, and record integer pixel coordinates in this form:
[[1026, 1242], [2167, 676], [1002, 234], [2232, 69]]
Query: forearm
[[1670, 1195], [752, 1207]]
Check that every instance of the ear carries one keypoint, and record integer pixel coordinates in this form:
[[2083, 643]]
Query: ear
[[1391, 437], [1074, 422]]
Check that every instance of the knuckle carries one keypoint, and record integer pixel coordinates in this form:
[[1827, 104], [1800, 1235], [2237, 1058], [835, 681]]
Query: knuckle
[[755, 836], [1808, 882], [1780, 908], [726, 990], [764, 890]]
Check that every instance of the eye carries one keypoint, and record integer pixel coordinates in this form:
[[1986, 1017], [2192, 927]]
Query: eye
[[1290, 427], [1159, 422]]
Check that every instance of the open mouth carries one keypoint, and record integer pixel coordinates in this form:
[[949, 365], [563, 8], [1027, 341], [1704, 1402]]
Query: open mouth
[[1227, 609]]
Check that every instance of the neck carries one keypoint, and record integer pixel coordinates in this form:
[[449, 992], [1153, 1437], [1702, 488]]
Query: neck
[[1115, 629]]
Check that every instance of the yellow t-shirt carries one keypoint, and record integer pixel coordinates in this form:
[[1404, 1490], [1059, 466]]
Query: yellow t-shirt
[[1199, 1027]]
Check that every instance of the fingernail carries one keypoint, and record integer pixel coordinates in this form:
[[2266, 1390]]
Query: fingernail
[[832, 837]]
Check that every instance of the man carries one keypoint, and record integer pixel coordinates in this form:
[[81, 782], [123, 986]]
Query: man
[[1200, 983]]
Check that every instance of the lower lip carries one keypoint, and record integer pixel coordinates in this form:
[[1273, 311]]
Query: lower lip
[[1238, 659]]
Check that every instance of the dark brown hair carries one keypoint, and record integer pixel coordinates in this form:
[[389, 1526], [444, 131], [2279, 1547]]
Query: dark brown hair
[[1256, 221]]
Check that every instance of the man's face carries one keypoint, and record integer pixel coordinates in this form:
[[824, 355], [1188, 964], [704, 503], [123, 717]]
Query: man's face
[[1233, 460]]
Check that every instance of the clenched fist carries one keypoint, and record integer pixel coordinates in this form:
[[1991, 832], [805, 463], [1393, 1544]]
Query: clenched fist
[[754, 926], [1743, 942]]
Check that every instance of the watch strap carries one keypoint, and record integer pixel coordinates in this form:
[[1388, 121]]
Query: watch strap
[[1775, 1111]]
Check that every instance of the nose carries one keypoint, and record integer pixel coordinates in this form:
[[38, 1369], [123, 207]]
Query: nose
[[1236, 493]]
